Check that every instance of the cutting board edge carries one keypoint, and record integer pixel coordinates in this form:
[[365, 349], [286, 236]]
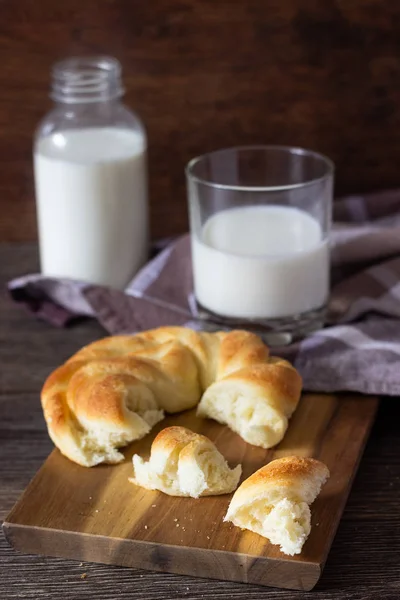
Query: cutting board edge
[[212, 564]]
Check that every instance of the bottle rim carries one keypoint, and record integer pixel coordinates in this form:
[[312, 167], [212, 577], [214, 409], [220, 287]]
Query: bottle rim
[[78, 80]]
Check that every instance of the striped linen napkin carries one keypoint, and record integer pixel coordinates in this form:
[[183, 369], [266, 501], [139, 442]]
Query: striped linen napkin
[[358, 350]]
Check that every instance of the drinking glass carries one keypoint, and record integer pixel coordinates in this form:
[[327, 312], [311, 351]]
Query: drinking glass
[[260, 218]]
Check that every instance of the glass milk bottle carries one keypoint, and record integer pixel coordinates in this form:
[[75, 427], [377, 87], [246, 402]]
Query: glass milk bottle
[[90, 177]]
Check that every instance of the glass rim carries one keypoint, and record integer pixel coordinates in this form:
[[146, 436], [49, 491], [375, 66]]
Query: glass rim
[[330, 168]]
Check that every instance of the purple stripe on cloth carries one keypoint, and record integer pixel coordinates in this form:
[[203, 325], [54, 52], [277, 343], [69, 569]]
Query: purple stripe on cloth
[[357, 209], [58, 302], [363, 358], [358, 350]]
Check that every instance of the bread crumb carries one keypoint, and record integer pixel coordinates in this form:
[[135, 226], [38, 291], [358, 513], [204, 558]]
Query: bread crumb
[[146, 526], [80, 564], [153, 505], [208, 537], [84, 575], [90, 497], [177, 524], [175, 520], [97, 510]]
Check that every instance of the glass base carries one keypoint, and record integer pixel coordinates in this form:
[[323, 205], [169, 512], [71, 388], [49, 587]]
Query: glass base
[[274, 332]]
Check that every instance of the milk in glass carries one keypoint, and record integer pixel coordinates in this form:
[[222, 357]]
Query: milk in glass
[[261, 262]]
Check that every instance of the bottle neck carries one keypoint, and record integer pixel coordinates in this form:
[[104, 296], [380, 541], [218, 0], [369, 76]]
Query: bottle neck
[[94, 81]]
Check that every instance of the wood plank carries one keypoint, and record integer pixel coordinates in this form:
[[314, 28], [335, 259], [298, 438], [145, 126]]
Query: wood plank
[[211, 74], [97, 515]]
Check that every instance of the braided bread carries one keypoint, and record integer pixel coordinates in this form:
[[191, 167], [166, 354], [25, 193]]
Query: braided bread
[[274, 501], [115, 390], [184, 463]]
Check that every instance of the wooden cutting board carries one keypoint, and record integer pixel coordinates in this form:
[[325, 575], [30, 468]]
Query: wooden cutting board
[[97, 515]]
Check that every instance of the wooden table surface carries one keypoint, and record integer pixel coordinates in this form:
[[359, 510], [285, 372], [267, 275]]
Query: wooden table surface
[[364, 561]]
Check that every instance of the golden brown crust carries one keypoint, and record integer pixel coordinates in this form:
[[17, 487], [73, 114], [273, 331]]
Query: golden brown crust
[[170, 437], [279, 376], [101, 389], [287, 477], [274, 501], [284, 469], [239, 349], [256, 401], [185, 463]]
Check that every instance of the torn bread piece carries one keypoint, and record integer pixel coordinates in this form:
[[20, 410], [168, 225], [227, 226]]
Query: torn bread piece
[[275, 501], [256, 402], [184, 463]]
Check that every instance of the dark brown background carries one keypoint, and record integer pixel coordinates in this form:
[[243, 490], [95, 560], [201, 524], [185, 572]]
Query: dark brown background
[[205, 74]]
